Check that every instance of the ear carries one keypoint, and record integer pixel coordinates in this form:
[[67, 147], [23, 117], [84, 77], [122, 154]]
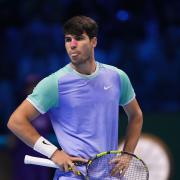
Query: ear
[[94, 41]]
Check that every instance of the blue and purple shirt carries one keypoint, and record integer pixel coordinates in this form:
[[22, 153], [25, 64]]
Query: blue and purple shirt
[[84, 108]]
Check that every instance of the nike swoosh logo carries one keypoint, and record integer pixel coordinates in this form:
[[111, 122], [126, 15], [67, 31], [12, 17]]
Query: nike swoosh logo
[[107, 87], [44, 142]]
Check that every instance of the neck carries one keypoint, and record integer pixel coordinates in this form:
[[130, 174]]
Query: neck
[[86, 68]]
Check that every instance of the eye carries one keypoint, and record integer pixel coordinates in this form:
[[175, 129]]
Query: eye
[[67, 39], [79, 38]]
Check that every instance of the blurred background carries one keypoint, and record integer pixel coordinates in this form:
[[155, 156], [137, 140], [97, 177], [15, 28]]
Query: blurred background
[[141, 37]]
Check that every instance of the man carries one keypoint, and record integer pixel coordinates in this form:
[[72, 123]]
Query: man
[[82, 100], [19, 149]]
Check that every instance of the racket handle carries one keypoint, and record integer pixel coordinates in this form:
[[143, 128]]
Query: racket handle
[[39, 161]]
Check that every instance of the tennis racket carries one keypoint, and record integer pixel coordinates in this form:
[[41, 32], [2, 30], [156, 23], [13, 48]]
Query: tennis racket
[[102, 165]]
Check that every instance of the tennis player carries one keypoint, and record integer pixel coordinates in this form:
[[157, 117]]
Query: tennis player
[[82, 100]]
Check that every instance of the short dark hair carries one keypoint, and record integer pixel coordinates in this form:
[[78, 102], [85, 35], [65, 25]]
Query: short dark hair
[[77, 25]]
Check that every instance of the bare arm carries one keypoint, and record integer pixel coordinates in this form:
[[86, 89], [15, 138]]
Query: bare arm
[[133, 132], [20, 123], [135, 121]]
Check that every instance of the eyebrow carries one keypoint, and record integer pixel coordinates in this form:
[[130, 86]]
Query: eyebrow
[[69, 36]]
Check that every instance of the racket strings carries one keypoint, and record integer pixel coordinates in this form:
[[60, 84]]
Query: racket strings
[[136, 170], [100, 169]]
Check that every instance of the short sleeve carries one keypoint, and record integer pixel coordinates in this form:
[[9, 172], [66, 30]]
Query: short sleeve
[[45, 94], [127, 93]]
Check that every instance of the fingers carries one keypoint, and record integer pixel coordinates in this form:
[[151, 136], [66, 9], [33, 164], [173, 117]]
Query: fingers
[[66, 168], [121, 164], [70, 166], [119, 171], [67, 162], [74, 159], [114, 160]]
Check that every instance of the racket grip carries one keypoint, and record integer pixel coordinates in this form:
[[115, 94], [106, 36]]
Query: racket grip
[[39, 161]]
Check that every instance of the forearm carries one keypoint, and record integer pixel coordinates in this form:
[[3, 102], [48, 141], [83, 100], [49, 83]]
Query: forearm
[[133, 133], [20, 124], [23, 129]]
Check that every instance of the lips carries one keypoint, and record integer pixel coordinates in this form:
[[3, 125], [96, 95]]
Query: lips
[[74, 53]]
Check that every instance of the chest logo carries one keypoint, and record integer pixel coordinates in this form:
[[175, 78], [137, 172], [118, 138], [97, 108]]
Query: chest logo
[[107, 87]]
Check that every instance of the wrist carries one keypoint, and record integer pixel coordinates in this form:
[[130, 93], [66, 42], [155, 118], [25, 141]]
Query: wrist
[[53, 157], [44, 147]]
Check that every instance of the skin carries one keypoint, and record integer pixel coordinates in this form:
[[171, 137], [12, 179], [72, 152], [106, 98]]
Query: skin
[[135, 119], [81, 52]]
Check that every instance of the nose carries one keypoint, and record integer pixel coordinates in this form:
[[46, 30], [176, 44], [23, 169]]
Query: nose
[[73, 43]]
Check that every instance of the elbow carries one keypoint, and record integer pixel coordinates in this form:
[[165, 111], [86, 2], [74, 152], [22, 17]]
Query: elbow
[[13, 123], [136, 119], [139, 117]]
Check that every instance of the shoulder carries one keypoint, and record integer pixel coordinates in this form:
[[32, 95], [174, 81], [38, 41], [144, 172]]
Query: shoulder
[[54, 77], [118, 71], [62, 72], [107, 66], [45, 94]]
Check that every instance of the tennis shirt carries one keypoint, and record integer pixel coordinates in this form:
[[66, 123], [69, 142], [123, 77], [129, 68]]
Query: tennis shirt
[[84, 108]]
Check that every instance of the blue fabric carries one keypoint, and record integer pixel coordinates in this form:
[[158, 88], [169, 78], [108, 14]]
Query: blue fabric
[[84, 114]]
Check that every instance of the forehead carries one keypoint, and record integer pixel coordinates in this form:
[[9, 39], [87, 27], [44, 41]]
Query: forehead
[[75, 35]]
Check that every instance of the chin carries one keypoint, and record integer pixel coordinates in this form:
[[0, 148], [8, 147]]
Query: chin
[[77, 62]]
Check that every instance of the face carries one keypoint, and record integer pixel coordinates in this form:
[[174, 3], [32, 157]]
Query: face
[[80, 48]]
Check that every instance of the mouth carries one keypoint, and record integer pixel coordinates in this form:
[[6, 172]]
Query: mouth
[[74, 54]]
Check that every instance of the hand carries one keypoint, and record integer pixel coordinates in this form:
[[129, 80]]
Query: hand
[[65, 161], [121, 164]]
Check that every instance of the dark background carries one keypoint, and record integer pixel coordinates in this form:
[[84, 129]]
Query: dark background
[[140, 37]]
